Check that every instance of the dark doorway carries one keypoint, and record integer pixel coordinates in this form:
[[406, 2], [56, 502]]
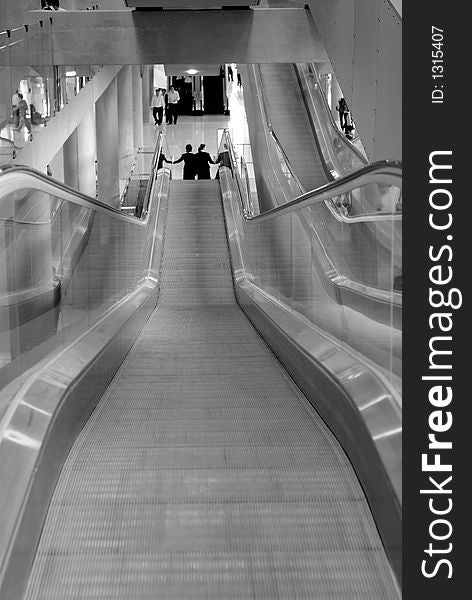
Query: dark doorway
[[213, 98], [184, 86]]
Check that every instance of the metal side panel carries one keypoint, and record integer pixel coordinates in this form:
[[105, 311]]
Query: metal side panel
[[204, 472], [359, 404], [49, 404]]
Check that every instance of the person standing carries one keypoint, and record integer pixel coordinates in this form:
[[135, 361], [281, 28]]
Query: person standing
[[342, 110], [224, 160], [203, 161], [189, 160], [173, 97], [230, 73], [238, 78]]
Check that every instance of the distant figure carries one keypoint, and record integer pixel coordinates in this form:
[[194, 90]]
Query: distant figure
[[14, 109], [238, 78], [230, 73], [157, 106], [349, 127], [342, 109], [29, 101], [48, 171], [189, 159], [160, 106], [203, 162], [224, 160], [173, 98], [22, 110], [166, 106]]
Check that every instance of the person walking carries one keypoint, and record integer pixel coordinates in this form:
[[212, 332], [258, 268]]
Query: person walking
[[203, 161], [157, 105], [189, 160], [238, 78], [154, 107], [230, 73], [174, 98], [23, 119]]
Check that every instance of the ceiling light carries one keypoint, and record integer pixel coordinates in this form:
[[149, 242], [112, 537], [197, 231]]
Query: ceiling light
[[192, 71], [71, 73]]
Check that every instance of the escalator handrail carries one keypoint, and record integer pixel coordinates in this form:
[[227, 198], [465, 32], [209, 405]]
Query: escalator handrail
[[287, 160], [141, 210], [14, 177], [323, 193], [371, 173]]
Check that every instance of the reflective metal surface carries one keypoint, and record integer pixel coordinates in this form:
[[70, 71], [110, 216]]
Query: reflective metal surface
[[349, 228], [107, 266], [313, 339]]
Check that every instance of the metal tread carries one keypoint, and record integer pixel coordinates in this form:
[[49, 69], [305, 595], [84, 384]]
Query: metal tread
[[203, 472]]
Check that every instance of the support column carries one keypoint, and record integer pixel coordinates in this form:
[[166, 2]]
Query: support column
[[106, 120], [70, 158], [87, 154], [137, 107], [125, 121], [147, 91]]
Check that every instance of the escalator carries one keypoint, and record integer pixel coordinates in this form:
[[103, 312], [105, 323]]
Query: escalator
[[203, 471], [299, 152], [288, 117]]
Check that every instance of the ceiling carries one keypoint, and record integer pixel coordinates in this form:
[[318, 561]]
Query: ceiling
[[182, 69]]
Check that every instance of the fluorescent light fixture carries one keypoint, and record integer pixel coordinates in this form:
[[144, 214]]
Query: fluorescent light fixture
[[192, 71], [71, 73]]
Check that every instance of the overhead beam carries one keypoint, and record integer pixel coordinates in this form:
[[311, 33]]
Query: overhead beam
[[188, 4], [261, 35]]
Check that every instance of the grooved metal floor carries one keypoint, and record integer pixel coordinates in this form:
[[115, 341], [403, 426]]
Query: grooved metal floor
[[203, 472]]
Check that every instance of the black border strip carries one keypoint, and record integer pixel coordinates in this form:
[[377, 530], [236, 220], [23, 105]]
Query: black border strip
[[435, 127]]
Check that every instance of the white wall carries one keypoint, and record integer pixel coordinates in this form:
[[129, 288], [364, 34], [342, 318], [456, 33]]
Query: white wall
[[49, 140], [363, 41], [160, 78]]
